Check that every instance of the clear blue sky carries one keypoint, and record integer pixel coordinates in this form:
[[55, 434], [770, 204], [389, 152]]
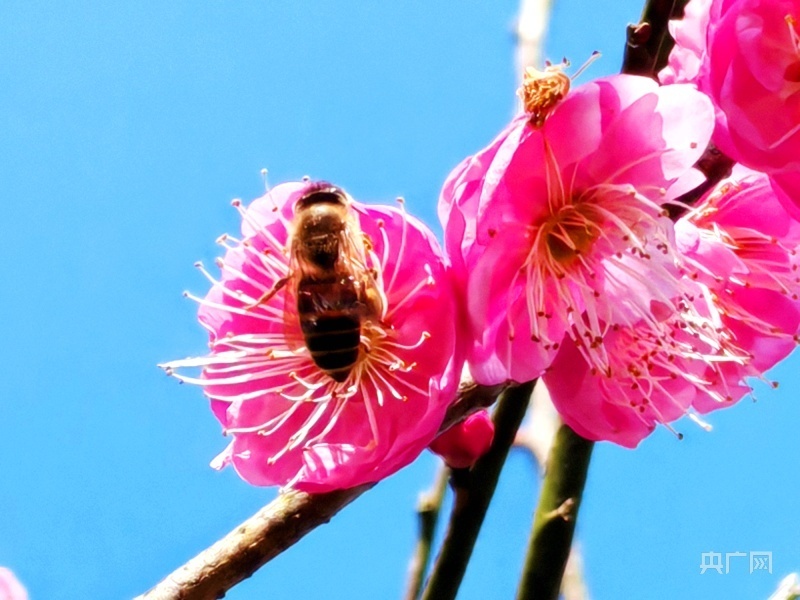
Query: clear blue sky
[[125, 130]]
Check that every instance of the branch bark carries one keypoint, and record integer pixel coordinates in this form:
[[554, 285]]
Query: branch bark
[[648, 43], [280, 525], [646, 52], [273, 529], [430, 503], [537, 437], [716, 166], [556, 514], [789, 588], [474, 489]]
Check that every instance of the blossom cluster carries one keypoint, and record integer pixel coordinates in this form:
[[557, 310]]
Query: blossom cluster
[[563, 229], [582, 246]]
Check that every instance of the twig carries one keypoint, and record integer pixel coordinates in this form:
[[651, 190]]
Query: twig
[[471, 398], [789, 588], [554, 521], [573, 584], [534, 16], [648, 43], [474, 489], [646, 53], [536, 436], [280, 525], [716, 166], [430, 503], [262, 537]]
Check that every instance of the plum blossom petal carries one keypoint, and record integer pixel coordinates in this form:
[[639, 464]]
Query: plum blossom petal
[[739, 251], [644, 387], [786, 185], [10, 587], [687, 58], [291, 423], [742, 245], [656, 375], [745, 54]]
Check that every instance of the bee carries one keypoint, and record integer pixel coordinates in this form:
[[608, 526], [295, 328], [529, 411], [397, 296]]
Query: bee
[[335, 291]]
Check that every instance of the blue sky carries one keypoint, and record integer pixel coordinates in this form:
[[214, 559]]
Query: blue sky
[[125, 131]]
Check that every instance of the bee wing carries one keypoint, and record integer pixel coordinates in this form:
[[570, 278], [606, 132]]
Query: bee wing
[[291, 318], [365, 272]]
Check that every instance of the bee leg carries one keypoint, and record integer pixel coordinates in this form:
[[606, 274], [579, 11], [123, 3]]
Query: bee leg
[[367, 241], [275, 289], [373, 302]]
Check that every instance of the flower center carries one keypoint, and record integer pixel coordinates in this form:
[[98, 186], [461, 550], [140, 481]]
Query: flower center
[[602, 256], [570, 233]]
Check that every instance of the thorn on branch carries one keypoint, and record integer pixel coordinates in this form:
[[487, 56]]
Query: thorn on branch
[[638, 35], [565, 511]]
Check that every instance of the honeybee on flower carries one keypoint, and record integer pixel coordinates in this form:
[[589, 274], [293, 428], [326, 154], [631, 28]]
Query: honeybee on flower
[[370, 407], [332, 293]]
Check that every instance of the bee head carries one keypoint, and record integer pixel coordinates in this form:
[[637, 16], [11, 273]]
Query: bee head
[[321, 192]]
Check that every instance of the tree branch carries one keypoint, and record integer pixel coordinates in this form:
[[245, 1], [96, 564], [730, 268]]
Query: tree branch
[[716, 166], [474, 489], [279, 525], [253, 543], [430, 503], [554, 521], [531, 30], [648, 43], [537, 437], [789, 588], [646, 53]]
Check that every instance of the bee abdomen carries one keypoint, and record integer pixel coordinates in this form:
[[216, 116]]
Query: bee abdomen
[[333, 341]]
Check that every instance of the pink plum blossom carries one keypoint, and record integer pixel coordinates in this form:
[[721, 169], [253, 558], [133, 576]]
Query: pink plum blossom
[[464, 443], [745, 54], [739, 252], [293, 424], [653, 377], [742, 245], [557, 230], [10, 587], [687, 58]]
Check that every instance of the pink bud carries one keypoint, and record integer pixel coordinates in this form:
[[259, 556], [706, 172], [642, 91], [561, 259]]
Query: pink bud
[[464, 443]]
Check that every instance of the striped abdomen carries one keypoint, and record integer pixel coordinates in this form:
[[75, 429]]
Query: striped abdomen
[[330, 318]]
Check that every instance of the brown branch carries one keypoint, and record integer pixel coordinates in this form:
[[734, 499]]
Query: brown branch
[[648, 43], [474, 489], [646, 52], [279, 525], [274, 528], [428, 507], [716, 166]]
